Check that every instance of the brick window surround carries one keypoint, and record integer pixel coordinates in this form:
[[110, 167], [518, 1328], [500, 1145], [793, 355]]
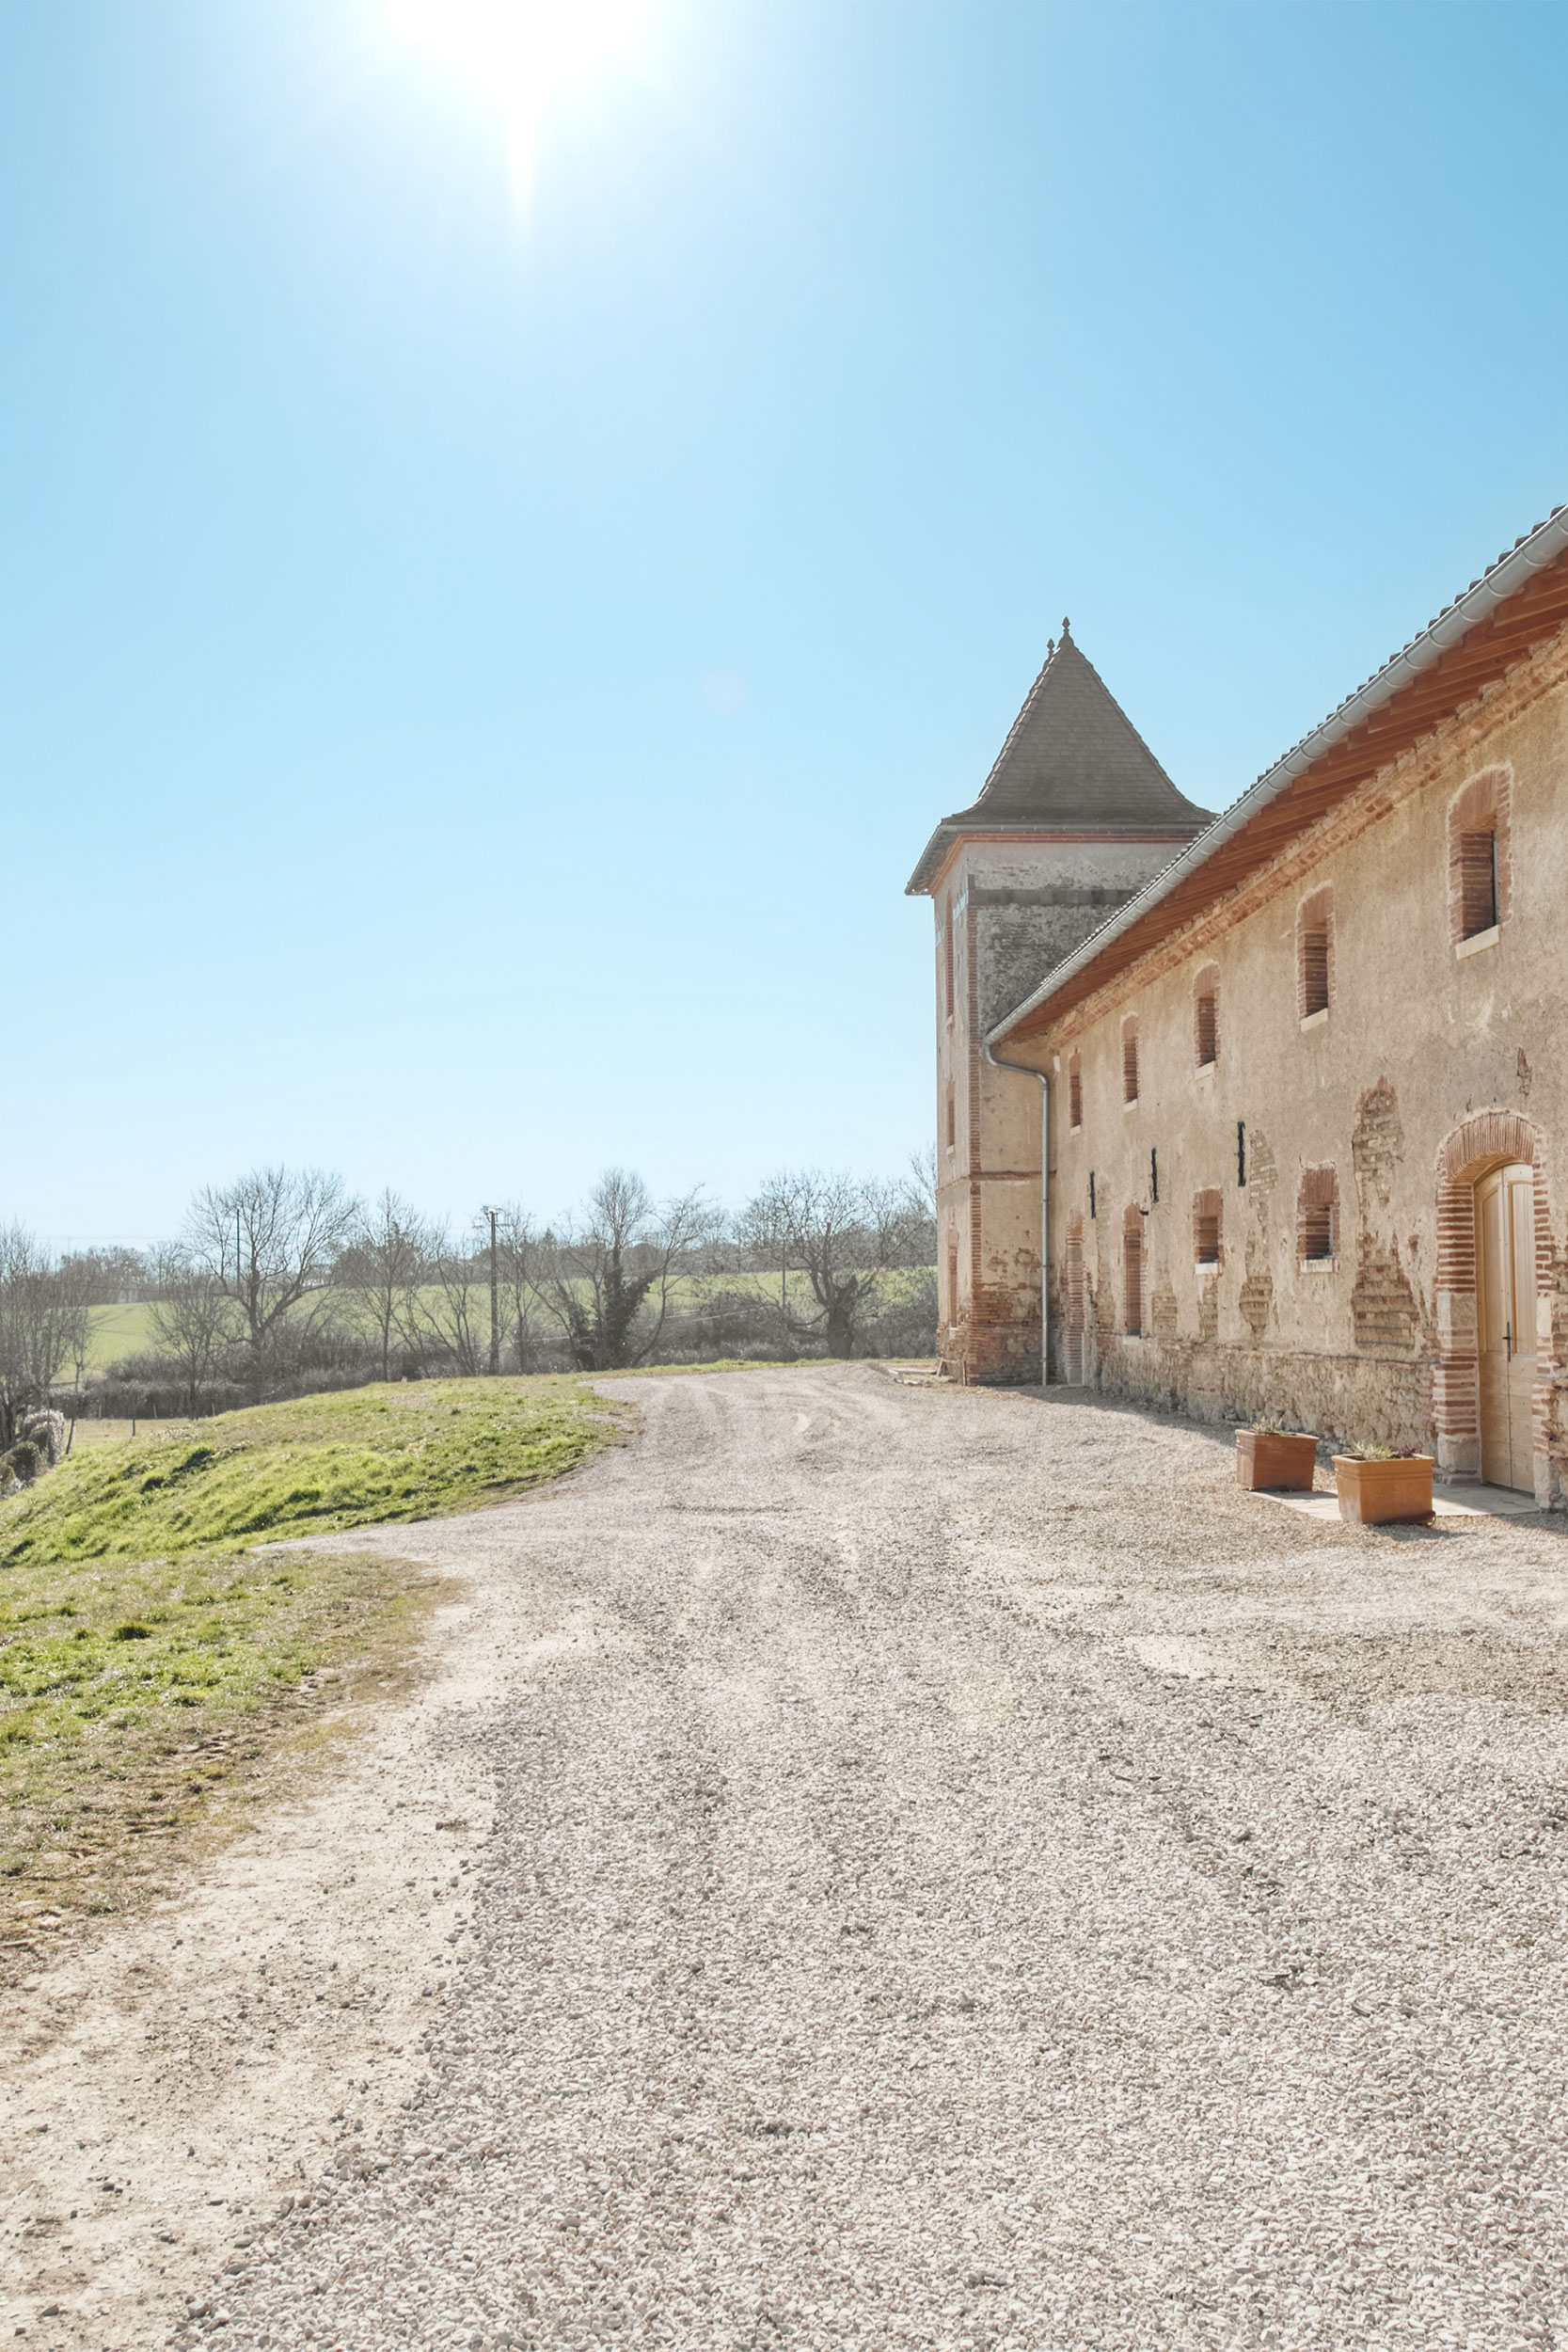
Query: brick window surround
[[1207, 1211], [1205, 1016], [1481, 1143], [1480, 864], [1076, 1091], [1133, 1273], [1318, 1216], [1315, 953], [1130, 1058]]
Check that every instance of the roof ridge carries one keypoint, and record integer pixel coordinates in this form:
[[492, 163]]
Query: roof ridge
[[1523, 563]]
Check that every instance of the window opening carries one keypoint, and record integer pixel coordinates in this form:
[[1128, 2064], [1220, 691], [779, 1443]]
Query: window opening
[[1314, 969], [1075, 1092], [951, 1120], [1315, 954], [1478, 882], [1318, 1216], [1132, 1266], [1206, 1018], [1206, 1228], [948, 960], [1241, 1152], [1091, 1193], [1479, 862], [1153, 1176], [1129, 1061]]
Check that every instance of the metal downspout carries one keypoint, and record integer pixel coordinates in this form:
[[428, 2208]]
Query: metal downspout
[[1027, 1071]]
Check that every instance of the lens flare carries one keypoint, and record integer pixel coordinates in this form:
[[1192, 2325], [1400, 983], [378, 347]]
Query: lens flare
[[516, 55]]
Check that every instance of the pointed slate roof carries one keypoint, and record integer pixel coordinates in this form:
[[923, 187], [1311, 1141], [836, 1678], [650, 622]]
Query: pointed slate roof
[[1073, 762]]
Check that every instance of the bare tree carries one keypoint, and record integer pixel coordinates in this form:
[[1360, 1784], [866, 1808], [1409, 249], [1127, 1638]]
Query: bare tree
[[114, 1275], [453, 1310], [920, 1188], [389, 1256], [270, 1240], [192, 1318], [609, 1283], [44, 1319], [841, 1237], [521, 1255]]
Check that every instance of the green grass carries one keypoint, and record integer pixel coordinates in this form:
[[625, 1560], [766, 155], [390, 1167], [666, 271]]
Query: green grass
[[122, 1331], [149, 1648], [403, 1451]]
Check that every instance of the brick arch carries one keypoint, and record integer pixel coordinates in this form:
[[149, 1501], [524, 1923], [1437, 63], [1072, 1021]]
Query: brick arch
[[1488, 1140]]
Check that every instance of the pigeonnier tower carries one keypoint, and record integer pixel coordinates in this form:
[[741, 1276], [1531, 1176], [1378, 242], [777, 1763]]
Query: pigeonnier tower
[[1076, 816]]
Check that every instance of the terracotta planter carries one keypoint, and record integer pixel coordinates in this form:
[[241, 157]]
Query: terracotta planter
[[1265, 1460], [1371, 1493]]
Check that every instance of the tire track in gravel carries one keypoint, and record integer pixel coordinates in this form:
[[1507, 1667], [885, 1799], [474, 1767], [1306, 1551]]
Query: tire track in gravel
[[872, 1947]]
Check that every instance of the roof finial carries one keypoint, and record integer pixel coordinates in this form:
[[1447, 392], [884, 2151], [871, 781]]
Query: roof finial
[[1066, 624], [1050, 648]]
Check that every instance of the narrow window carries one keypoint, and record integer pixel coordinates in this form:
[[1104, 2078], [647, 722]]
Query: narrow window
[[1206, 1228], [1130, 1058], [1092, 1209], [1075, 1092], [948, 960], [1479, 860], [1315, 953], [952, 1282], [1318, 1216], [1478, 882], [1241, 1152], [1206, 1018], [1133, 1273], [1153, 1177], [952, 1118]]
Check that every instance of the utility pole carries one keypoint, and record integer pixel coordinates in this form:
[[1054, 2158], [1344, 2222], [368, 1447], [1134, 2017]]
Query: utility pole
[[495, 1298]]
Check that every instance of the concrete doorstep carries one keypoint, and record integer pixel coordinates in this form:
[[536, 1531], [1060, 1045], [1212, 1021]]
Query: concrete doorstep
[[1458, 1502]]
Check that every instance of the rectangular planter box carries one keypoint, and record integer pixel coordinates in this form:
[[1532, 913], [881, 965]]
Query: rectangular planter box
[[1266, 1461], [1374, 1493]]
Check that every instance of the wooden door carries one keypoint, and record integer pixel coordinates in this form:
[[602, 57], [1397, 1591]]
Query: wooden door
[[1505, 1320], [1074, 1351]]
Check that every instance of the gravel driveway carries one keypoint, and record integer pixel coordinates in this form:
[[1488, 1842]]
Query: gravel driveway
[[968, 1876]]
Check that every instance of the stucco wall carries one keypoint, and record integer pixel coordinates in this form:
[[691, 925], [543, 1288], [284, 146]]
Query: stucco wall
[[1421, 1045], [1015, 909]]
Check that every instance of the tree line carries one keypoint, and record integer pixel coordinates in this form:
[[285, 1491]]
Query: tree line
[[285, 1280]]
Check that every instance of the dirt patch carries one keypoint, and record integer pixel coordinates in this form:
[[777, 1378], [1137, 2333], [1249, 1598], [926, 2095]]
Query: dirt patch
[[170, 2084]]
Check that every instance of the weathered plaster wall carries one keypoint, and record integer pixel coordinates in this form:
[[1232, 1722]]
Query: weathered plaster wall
[[1013, 907], [1428, 1063]]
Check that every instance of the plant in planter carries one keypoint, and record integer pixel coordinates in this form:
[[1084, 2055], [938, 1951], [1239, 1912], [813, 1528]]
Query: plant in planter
[[1269, 1457], [1380, 1484]]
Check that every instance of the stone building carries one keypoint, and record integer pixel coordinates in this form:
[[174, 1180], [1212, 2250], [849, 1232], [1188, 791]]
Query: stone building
[[1075, 816], [1304, 1093]]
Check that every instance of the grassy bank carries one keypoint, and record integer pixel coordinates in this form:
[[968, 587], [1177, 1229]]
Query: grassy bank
[[154, 1663]]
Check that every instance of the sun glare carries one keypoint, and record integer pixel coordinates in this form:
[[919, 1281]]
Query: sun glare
[[516, 55]]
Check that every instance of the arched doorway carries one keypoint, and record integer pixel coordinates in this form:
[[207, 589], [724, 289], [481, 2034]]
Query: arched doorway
[[1505, 1324], [1492, 1396]]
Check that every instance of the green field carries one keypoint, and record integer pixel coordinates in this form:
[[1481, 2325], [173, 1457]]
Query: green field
[[149, 1649], [122, 1331]]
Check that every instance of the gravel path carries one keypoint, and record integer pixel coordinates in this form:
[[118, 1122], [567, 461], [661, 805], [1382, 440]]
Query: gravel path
[[967, 1875]]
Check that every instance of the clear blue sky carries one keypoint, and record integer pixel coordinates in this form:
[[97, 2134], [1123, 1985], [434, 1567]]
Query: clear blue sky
[[471, 693]]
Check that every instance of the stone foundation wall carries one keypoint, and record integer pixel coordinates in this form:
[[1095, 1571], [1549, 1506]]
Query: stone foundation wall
[[1348, 1399]]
